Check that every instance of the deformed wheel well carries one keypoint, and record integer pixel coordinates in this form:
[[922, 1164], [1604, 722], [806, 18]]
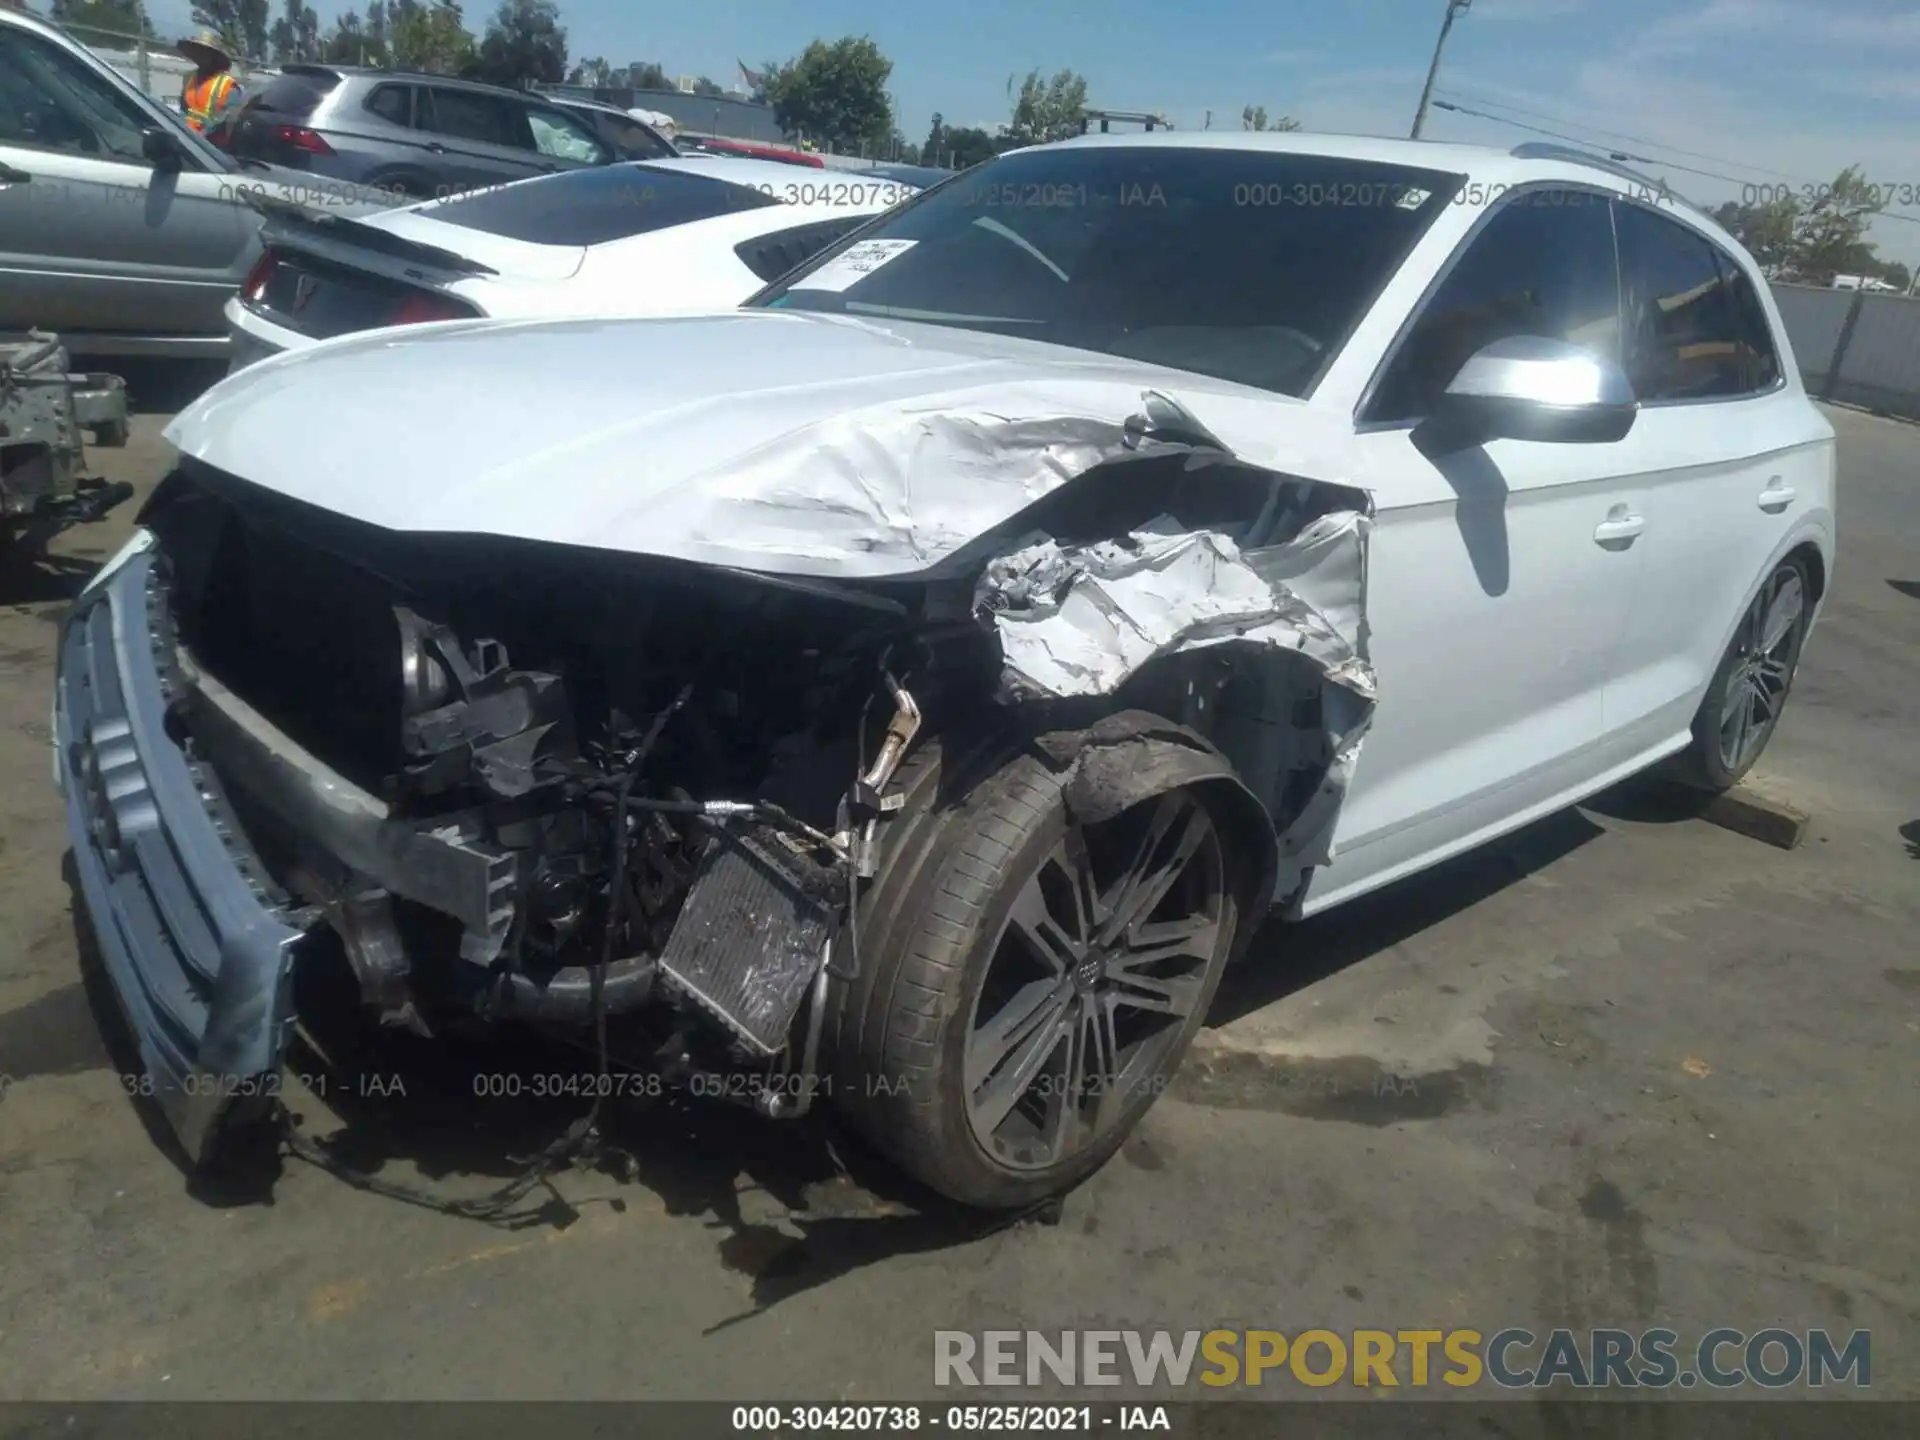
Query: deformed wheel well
[[1134, 755]]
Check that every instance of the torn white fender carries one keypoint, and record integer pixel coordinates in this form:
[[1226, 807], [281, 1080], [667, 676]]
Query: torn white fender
[[1081, 621]]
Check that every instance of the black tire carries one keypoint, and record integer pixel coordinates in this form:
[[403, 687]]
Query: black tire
[[935, 935], [1757, 671]]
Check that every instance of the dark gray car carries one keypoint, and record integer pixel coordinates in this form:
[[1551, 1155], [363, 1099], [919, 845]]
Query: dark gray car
[[419, 135]]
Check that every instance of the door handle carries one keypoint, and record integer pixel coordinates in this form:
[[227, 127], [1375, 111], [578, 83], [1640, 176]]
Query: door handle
[[1618, 530], [11, 176], [1777, 496], [434, 147]]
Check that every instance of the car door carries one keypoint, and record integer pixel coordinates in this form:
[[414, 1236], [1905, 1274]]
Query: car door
[[478, 138], [1499, 577], [92, 237], [1744, 451]]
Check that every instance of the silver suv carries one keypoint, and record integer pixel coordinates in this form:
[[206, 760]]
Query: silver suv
[[420, 135]]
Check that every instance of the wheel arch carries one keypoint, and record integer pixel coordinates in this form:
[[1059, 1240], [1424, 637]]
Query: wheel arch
[[1133, 755]]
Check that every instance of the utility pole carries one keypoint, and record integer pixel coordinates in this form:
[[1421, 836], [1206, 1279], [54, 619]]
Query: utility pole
[[1454, 7]]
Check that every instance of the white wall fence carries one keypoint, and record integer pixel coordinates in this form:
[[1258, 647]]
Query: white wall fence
[[1857, 347]]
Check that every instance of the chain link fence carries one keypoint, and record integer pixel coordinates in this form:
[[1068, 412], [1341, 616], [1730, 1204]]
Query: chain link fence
[[151, 62], [1857, 347]]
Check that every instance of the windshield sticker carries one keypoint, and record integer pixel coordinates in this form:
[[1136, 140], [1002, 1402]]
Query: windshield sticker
[[1413, 198], [853, 265]]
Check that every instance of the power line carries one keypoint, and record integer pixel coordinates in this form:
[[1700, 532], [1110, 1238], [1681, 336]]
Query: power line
[[1624, 157], [1577, 140], [1617, 134]]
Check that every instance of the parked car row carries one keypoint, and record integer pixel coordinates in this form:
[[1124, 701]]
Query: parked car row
[[649, 238], [127, 233], [911, 688]]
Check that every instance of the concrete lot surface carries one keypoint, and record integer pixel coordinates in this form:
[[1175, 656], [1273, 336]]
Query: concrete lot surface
[[1625, 1069]]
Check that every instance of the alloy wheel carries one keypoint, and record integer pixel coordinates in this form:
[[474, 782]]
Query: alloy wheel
[[1765, 650], [1102, 962]]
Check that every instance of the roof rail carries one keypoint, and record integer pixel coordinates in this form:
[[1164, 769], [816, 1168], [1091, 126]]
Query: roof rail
[[1536, 150]]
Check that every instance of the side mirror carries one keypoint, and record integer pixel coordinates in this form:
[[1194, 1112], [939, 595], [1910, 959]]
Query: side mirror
[[162, 148], [1527, 387]]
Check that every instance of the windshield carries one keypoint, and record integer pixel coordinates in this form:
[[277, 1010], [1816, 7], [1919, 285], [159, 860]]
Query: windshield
[[1249, 265]]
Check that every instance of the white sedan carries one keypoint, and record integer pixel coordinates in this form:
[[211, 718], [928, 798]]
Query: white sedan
[[651, 238], [912, 689]]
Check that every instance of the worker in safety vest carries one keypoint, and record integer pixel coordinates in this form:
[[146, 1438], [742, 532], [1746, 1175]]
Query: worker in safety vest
[[211, 90]]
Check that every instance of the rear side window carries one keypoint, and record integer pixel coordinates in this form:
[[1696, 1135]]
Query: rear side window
[[771, 256], [392, 103], [1542, 265], [1684, 339], [1760, 362], [465, 115], [593, 206], [297, 94]]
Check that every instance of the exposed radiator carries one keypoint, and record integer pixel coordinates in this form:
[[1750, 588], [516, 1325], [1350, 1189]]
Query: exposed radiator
[[751, 937]]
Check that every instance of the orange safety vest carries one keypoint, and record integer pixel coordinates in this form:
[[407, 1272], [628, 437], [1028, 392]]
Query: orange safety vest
[[204, 99]]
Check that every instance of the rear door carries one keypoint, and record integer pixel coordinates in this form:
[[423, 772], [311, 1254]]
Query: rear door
[[475, 137], [1746, 456], [92, 237]]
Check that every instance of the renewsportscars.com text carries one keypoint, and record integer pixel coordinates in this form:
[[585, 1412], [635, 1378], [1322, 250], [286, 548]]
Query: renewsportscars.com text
[[1513, 1359]]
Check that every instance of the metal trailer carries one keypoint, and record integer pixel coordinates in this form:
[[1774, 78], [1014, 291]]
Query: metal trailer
[[43, 411]]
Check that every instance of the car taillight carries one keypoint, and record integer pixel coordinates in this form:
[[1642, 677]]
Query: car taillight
[[302, 138], [255, 285], [424, 309]]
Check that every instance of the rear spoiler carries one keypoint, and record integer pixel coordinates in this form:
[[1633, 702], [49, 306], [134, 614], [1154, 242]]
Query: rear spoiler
[[296, 217]]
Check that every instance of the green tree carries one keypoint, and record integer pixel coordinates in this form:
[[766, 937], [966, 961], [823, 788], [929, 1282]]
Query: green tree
[[295, 35], [647, 75], [375, 27], [1047, 109], [1830, 237], [835, 94], [240, 24], [1254, 117], [121, 17], [963, 146], [1766, 230], [428, 37], [525, 42], [936, 140], [704, 85], [347, 42], [594, 72]]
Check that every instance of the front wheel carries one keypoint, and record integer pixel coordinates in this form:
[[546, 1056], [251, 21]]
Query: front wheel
[[1032, 990], [1749, 690]]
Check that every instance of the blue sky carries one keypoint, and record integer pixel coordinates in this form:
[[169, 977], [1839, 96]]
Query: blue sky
[[1762, 91]]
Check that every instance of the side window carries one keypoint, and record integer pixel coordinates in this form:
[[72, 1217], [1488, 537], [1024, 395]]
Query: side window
[[1760, 361], [563, 138], [1683, 340], [392, 103], [465, 115], [51, 101], [1543, 264]]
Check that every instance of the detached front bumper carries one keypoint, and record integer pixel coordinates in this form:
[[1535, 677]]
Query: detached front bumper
[[198, 953]]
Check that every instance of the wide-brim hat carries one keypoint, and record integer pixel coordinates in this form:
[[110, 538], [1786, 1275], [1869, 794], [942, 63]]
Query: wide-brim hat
[[206, 43]]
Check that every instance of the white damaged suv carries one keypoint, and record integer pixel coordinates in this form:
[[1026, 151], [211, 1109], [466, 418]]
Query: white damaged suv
[[911, 691]]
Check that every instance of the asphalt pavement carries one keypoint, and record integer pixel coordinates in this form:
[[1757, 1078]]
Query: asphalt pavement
[[1623, 1069]]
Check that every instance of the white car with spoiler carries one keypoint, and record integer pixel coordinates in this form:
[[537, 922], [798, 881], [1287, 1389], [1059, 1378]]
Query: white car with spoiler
[[652, 238]]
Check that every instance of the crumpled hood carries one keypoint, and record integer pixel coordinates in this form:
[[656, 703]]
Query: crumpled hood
[[787, 443]]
